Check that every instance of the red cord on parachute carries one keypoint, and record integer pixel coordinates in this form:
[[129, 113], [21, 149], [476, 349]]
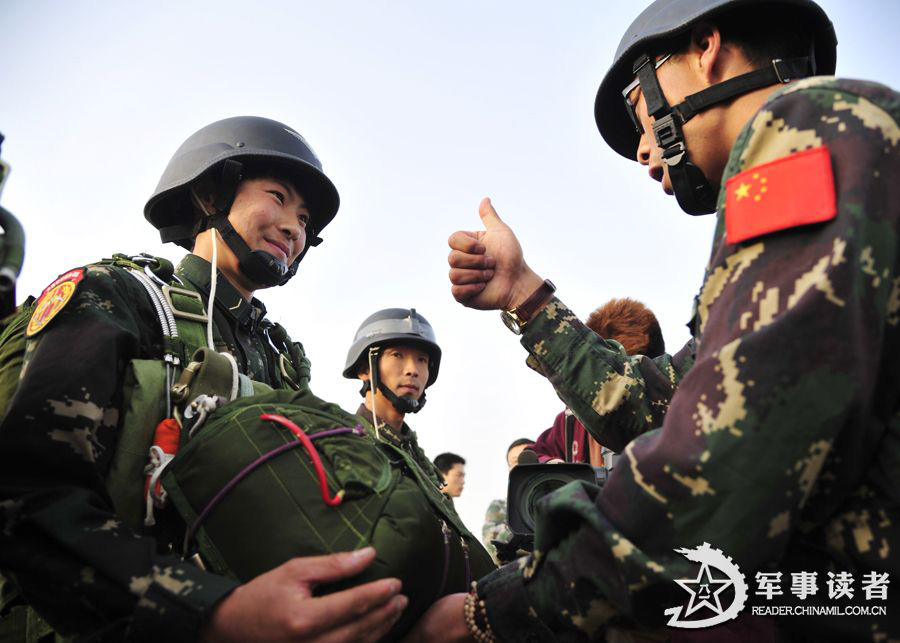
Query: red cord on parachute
[[313, 454]]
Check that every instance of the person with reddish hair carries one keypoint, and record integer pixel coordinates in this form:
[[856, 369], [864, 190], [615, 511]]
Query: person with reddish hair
[[630, 323], [636, 329]]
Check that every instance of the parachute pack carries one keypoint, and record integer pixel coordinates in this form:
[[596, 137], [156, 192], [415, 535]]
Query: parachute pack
[[252, 498]]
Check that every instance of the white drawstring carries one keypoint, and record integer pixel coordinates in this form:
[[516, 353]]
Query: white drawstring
[[372, 389], [198, 202], [211, 305]]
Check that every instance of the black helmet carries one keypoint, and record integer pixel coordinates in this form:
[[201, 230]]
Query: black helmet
[[663, 20], [389, 327], [223, 150]]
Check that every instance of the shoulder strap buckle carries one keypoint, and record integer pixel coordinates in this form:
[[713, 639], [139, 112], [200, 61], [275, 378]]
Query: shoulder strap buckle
[[287, 372], [181, 311]]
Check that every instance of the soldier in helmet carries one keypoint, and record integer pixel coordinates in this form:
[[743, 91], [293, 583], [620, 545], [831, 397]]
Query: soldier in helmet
[[776, 457], [396, 356], [105, 344]]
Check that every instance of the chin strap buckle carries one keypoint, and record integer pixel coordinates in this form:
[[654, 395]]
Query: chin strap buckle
[[783, 76], [670, 139]]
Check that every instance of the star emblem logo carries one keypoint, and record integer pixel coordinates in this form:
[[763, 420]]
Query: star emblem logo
[[704, 588]]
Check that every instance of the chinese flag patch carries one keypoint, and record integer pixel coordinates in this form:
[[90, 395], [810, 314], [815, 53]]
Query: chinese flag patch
[[792, 191]]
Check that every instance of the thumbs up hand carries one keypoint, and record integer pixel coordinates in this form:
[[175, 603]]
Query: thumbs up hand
[[487, 269]]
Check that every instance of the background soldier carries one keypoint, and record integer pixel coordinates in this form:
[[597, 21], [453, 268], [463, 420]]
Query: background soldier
[[780, 448], [397, 357], [248, 195]]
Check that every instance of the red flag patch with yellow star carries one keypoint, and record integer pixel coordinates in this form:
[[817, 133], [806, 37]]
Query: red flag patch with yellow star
[[52, 300], [791, 191]]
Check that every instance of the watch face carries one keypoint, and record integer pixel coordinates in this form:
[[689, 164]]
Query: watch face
[[511, 322]]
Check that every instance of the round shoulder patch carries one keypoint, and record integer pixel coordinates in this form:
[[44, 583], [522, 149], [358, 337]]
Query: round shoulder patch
[[52, 300]]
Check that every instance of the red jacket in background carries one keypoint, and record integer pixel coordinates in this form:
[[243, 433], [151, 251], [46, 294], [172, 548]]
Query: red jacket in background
[[552, 442]]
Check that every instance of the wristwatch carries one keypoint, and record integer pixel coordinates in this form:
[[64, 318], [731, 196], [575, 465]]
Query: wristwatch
[[516, 318]]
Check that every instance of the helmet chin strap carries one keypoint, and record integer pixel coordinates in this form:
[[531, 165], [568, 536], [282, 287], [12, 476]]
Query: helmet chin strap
[[403, 404], [693, 191], [695, 195], [260, 267]]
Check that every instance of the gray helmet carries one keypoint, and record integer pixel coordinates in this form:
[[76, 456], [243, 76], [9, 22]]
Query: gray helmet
[[389, 327], [667, 18], [247, 140]]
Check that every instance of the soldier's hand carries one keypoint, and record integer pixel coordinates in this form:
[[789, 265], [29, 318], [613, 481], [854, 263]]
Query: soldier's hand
[[444, 621], [487, 269], [279, 605]]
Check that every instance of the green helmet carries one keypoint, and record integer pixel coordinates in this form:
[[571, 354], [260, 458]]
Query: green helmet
[[390, 327], [661, 21], [224, 151]]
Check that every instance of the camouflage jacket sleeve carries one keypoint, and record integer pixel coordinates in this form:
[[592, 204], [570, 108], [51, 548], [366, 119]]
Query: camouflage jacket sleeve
[[615, 396], [61, 540], [780, 445]]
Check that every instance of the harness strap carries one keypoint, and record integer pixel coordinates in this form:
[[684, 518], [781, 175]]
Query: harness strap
[[292, 367], [190, 319]]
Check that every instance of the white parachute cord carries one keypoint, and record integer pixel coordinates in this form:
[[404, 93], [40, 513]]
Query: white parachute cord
[[211, 304], [214, 271], [372, 390]]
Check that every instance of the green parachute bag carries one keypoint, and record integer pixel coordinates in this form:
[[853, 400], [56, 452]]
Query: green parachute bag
[[251, 497]]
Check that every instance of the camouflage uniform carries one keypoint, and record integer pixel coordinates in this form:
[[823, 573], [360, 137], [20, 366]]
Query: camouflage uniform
[[781, 446], [406, 440], [56, 444], [495, 527]]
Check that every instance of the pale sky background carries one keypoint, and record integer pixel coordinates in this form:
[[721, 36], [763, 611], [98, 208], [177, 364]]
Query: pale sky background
[[417, 110]]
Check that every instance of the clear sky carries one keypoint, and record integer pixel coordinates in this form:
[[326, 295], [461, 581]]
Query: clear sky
[[417, 110]]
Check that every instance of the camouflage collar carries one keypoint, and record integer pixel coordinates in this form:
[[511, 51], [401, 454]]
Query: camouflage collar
[[246, 314], [386, 431]]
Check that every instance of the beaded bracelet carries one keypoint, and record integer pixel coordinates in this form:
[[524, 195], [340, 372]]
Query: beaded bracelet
[[472, 610]]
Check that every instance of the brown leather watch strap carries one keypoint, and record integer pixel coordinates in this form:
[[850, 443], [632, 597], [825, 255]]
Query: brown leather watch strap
[[528, 308]]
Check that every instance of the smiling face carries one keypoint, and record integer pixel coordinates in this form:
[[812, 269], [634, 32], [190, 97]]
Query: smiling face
[[270, 215]]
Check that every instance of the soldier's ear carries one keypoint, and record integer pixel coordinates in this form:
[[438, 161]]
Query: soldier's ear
[[705, 52]]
